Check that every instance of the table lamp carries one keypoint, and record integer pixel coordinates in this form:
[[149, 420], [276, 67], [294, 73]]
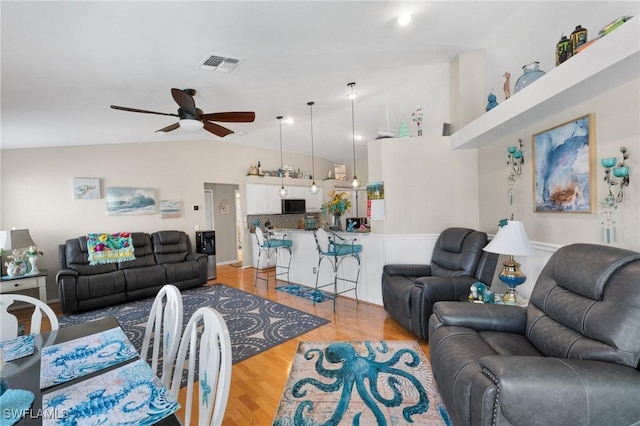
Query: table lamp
[[511, 239]]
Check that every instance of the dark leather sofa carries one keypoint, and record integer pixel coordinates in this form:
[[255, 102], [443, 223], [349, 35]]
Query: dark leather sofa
[[571, 357], [164, 257], [409, 291]]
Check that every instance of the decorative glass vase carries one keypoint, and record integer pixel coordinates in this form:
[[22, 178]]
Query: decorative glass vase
[[337, 223], [532, 72], [33, 260]]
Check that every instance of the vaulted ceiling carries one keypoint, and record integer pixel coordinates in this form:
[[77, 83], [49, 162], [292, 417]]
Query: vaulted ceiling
[[65, 62]]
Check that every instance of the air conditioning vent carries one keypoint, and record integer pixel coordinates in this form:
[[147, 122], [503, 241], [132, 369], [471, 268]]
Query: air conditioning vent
[[220, 63]]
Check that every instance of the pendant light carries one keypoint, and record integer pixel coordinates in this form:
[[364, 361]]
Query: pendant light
[[355, 183], [314, 187], [282, 192]]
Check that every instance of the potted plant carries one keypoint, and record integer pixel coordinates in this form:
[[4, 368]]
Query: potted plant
[[32, 254], [16, 263]]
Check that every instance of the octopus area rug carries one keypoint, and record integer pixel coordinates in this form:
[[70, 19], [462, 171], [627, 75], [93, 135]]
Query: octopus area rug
[[255, 324], [363, 382]]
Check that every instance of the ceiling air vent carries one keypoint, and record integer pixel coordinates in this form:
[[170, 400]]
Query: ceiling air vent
[[220, 63]]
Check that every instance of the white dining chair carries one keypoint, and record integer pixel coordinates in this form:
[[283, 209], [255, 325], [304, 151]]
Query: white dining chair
[[164, 326], [9, 322], [214, 366]]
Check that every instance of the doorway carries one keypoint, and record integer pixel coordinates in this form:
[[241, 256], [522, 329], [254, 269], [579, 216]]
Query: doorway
[[222, 215]]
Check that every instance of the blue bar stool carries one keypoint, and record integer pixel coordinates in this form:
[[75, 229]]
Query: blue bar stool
[[337, 249], [271, 245]]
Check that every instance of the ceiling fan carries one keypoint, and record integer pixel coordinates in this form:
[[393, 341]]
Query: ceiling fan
[[192, 118]]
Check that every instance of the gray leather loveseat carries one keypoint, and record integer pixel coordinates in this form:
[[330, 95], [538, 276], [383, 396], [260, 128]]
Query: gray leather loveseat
[[164, 257], [571, 357]]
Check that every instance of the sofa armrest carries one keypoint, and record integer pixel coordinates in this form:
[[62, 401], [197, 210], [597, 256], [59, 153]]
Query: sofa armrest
[[480, 316], [197, 256], [592, 392], [66, 279], [407, 270], [435, 289]]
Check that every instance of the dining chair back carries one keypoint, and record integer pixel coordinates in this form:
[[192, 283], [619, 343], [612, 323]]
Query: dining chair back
[[214, 366], [9, 322], [164, 327]]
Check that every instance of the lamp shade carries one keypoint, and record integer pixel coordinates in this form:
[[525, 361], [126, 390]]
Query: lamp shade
[[511, 239], [15, 239]]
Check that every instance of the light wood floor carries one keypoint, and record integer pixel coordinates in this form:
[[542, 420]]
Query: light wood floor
[[257, 382]]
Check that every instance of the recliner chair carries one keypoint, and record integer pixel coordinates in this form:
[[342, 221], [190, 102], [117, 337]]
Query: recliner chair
[[409, 291], [571, 357]]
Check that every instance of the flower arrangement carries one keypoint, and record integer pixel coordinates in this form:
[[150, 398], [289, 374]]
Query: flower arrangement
[[16, 263], [338, 203], [33, 251]]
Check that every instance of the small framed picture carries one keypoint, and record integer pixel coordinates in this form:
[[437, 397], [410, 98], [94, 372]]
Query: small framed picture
[[340, 171], [86, 188]]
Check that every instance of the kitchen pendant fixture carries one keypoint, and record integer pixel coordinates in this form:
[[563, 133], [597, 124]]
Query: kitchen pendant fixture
[[355, 183], [314, 187], [282, 192]]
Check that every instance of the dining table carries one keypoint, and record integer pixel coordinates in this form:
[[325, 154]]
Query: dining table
[[24, 373]]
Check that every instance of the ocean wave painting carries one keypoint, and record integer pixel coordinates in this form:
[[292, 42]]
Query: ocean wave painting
[[169, 209], [130, 201]]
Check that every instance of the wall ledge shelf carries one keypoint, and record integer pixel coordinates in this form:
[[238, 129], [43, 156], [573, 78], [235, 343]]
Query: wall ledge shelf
[[610, 62]]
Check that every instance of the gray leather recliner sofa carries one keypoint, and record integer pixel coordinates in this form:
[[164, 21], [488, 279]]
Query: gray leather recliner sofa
[[409, 291], [164, 257], [571, 357]]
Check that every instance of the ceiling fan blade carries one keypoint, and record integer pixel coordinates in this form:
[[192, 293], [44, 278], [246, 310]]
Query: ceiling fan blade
[[231, 117], [184, 100], [216, 129], [141, 110], [169, 128]]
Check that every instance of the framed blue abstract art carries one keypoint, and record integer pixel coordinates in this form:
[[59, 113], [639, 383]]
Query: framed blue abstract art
[[564, 176]]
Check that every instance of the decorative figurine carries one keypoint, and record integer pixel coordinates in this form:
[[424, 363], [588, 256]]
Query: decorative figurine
[[417, 117], [492, 101], [507, 85], [403, 130]]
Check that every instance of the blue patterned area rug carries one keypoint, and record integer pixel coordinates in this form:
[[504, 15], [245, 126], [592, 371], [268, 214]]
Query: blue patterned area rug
[[312, 294], [255, 324], [367, 383]]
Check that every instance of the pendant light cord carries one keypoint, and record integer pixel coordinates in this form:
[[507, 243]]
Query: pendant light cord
[[313, 163], [282, 190], [353, 133]]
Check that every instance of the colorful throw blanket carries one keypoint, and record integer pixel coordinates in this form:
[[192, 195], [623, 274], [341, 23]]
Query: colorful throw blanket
[[110, 248]]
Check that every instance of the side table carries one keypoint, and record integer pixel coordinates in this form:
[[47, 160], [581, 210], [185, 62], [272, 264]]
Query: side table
[[24, 282]]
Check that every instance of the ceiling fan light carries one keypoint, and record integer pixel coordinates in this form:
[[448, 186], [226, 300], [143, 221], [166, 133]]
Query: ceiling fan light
[[191, 125]]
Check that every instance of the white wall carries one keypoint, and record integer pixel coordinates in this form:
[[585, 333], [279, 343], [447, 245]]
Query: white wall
[[36, 187], [428, 187], [617, 123]]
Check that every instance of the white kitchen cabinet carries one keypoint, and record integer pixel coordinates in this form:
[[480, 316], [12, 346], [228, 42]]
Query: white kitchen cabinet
[[257, 199], [314, 202], [263, 199]]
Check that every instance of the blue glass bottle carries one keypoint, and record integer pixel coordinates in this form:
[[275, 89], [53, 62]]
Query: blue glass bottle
[[532, 72]]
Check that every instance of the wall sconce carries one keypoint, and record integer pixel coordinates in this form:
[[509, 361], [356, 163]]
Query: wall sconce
[[620, 172], [515, 160]]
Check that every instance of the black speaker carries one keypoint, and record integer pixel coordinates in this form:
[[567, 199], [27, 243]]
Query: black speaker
[[206, 242]]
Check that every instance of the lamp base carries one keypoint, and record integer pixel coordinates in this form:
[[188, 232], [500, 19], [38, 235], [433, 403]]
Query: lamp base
[[510, 297], [512, 277]]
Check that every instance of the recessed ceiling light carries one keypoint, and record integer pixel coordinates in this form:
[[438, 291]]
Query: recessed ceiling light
[[358, 137], [288, 120], [404, 19]]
